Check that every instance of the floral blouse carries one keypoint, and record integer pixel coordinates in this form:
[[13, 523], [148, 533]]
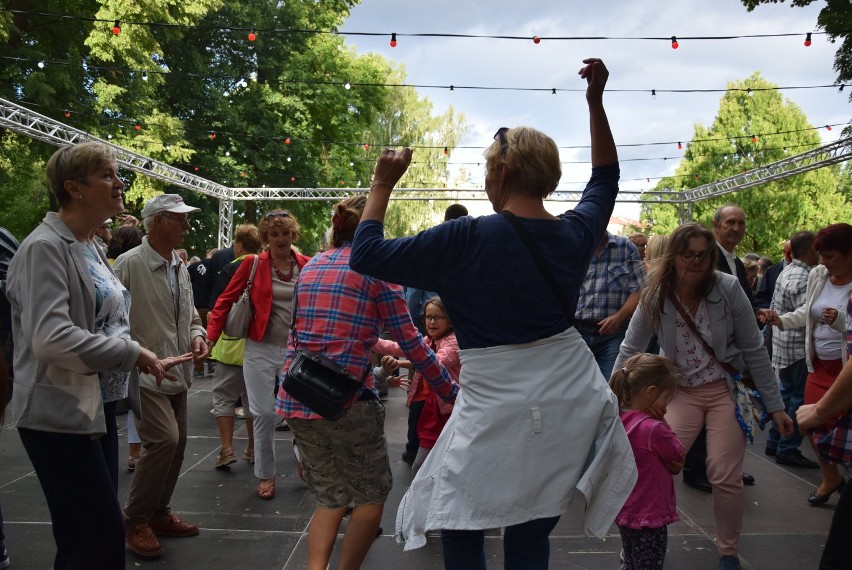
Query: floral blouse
[[112, 318], [695, 365]]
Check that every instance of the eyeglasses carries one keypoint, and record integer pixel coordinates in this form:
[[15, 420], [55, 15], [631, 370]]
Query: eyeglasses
[[181, 219], [501, 136], [430, 318], [277, 214], [690, 256]]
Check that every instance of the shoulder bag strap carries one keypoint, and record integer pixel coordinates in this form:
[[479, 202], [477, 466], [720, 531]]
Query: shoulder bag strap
[[691, 324], [540, 262]]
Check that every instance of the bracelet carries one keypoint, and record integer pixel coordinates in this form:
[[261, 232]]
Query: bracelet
[[377, 182]]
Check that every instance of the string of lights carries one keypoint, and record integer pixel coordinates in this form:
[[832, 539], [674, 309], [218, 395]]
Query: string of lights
[[239, 81], [214, 135], [253, 32]]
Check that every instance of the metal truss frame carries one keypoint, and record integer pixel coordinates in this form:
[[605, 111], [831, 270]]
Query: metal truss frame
[[34, 125]]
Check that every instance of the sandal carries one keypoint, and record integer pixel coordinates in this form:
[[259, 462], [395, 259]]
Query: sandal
[[266, 492], [249, 455], [225, 458], [131, 463]]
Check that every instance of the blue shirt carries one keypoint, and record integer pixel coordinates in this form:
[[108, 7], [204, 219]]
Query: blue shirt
[[492, 289], [611, 278]]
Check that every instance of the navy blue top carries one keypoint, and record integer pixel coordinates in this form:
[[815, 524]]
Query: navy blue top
[[492, 289]]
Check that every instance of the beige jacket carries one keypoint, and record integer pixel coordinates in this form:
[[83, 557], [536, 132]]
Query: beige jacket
[[57, 355], [152, 314]]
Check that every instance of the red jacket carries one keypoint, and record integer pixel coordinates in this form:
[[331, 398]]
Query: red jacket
[[261, 296]]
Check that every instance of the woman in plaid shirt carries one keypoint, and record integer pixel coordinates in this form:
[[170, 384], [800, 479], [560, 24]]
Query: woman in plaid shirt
[[340, 314]]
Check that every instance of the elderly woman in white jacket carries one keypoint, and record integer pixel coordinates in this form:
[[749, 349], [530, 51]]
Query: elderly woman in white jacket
[[705, 324], [824, 317], [73, 352]]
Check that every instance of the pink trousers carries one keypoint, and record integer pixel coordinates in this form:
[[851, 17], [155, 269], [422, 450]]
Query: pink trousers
[[711, 405]]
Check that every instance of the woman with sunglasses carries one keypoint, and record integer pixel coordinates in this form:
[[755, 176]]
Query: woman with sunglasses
[[535, 413], [705, 324], [272, 301]]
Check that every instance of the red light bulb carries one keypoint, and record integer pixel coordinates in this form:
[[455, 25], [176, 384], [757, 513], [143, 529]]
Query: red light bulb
[[679, 146], [828, 127], [393, 40], [808, 39], [67, 114], [366, 147], [252, 35], [343, 183], [536, 40], [116, 28], [446, 151], [212, 136], [196, 169], [287, 140], [138, 127], [754, 138], [292, 179], [675, 45]]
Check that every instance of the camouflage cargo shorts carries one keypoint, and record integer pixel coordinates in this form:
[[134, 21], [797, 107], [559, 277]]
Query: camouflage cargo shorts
[[346, 461]]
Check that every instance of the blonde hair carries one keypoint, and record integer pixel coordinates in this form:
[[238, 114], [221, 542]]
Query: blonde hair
[[75, 162], [656, 246], [639, 372], [345, 220], [531, 159]]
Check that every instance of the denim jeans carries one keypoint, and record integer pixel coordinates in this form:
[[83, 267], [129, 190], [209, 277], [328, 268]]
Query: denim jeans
[[604, 347], [526, 546], [793, 379]]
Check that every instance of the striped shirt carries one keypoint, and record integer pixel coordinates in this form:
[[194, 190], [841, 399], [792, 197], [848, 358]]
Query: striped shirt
[[610, 280], [788, 345], [340, 314]]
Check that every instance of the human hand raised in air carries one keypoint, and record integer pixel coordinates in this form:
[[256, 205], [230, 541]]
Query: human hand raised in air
[[596, 74], [390, 167]]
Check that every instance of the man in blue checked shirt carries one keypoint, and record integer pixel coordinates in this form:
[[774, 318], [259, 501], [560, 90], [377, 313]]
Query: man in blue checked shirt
[[608, 297]]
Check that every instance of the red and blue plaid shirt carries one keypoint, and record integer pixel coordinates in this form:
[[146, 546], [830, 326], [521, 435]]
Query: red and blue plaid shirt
[[340, 314]]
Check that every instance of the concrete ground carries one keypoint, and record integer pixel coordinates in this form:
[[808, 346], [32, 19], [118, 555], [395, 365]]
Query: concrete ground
[[239, 530]]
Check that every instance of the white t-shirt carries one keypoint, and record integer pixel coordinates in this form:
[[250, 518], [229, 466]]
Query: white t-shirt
[[826, 339]]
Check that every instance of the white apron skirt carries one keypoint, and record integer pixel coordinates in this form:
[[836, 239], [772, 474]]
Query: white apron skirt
[[532, 424]]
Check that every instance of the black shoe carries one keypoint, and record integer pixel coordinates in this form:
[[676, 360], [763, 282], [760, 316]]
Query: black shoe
[[408, 458], [796, 459], [698, 481], [816, 499], [770, 451], [748, 479]]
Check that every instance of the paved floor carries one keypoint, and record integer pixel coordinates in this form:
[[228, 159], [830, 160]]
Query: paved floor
[[238, 530]]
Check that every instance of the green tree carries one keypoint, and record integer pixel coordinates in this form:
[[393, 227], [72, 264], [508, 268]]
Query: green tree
[[730, 146], [836, 19]]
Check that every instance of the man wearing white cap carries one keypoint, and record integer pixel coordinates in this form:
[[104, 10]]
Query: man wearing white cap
[[162, 319]]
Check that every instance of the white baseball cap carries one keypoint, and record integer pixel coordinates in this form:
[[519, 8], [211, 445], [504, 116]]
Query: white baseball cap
[[167, 203]]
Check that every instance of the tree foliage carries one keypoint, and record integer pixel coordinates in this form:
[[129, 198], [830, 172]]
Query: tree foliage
[[836, 19], [774, 210], [195, 93]]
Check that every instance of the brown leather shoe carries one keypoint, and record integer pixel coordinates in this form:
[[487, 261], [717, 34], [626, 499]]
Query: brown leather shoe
[[140, 539], [172, 526]]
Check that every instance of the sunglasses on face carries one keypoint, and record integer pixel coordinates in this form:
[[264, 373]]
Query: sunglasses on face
[[504, 141]]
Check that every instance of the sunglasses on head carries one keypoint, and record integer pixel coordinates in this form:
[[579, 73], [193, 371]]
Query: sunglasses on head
[[277, 214], [501, 136]]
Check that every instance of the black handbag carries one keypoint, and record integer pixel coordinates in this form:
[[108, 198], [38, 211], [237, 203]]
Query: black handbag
[[318, 382]]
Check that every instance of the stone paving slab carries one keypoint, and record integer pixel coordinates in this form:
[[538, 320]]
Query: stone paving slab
[[238, 530]]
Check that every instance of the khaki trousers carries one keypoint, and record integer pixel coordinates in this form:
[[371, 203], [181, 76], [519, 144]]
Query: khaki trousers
[[163, 434]]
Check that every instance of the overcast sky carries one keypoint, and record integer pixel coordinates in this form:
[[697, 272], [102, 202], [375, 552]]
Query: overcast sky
[[633, 64]]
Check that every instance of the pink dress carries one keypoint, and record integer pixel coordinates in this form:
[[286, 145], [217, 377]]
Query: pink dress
[[652, 502]]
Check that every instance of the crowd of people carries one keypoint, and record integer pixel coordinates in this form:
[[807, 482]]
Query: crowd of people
[[671, 347]]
